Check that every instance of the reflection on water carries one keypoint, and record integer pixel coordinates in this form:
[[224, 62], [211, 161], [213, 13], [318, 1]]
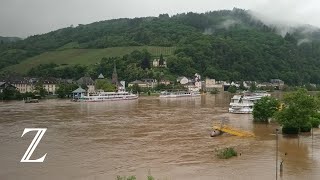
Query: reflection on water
[[168, 137]]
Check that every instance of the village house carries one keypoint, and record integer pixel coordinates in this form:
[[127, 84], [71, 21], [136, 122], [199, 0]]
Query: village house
[[191, 86], [277, 83], [152, 83], [87, 81], [138, 83], [194, 84], [264, 85], [211, 85], [165, 82], [183, 80], [157, 63], [50, 85], [23, 85], [122, 86], [197, 81], [66, 81], [144, 83]]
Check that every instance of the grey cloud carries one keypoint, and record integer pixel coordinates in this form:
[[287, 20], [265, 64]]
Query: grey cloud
[[27, 17]]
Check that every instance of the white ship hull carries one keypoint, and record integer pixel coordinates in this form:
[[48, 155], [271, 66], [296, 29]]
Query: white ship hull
[[178, 94], [108, 96], [243, 104]]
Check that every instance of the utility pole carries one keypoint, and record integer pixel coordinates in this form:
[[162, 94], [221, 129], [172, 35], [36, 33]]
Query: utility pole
[[277, 154]]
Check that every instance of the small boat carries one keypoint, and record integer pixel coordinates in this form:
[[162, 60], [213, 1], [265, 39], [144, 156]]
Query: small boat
[[177, 94], [107, 96], [243, 104], [30, 100]]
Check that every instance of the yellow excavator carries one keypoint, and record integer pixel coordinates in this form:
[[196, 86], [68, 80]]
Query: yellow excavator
[[222, 128]]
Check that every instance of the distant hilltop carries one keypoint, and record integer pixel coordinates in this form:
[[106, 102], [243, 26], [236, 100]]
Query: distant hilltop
[[9, 39]]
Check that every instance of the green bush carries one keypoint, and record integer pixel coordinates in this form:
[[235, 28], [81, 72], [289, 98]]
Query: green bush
[[126, 178], [306, 128], [226, 153], [214, 91], [232, 89], [290, 130], [315, 122]]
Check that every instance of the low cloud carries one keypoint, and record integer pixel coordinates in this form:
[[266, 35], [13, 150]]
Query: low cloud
[[229, 23], [305, 40]]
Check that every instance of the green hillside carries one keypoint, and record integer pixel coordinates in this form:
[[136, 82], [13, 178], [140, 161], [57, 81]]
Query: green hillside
[[226, 45], [83, 56]]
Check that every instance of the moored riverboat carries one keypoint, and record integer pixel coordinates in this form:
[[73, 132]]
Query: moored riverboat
[[107, 96], [177, 94], [243, 104]]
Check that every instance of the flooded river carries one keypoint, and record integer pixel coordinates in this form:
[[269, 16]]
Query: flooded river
[[169, 139]]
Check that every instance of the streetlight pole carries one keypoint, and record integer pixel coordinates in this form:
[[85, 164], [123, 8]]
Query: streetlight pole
[[277, 154], [312, 140]]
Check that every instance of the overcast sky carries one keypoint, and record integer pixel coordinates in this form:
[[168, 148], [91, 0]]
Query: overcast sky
[[28, 17]]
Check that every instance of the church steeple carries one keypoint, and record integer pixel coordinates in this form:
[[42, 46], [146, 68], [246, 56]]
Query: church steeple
[[115, 75]]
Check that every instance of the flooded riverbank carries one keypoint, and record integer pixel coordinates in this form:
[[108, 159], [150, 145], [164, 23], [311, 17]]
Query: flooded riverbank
[[168, 137]]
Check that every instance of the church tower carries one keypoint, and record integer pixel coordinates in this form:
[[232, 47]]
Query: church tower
[[115, 75]]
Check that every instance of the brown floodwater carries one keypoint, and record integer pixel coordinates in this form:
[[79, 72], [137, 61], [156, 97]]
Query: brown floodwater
[[167, 138]]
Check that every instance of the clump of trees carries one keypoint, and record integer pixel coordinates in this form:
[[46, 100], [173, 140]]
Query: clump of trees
[[299, 111], [265, 109], [65, 90], [12, 94], [40, 90], [105, 85]]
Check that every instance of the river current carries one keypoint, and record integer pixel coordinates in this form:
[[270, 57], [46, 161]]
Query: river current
[[167, 138]]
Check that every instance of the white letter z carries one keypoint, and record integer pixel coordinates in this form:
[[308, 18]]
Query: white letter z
[[33, 145]]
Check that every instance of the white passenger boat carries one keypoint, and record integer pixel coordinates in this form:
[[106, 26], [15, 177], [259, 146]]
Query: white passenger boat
[[108, 96], [243, 104], [177, 94]]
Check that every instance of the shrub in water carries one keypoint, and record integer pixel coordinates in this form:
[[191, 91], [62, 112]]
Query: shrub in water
[[306, 128], [315, 122], [290, 130], [126, 178], [226, 153]]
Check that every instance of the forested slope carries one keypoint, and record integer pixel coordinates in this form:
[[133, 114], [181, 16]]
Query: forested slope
[[226, 45]]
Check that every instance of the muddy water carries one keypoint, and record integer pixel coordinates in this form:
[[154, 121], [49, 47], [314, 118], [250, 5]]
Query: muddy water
[[167, 138]]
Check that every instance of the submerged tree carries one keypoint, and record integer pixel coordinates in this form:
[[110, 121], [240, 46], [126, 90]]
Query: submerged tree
[[265, 108], [298, 110]]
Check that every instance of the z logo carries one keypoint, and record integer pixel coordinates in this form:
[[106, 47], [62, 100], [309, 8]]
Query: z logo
[[33, 145]]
